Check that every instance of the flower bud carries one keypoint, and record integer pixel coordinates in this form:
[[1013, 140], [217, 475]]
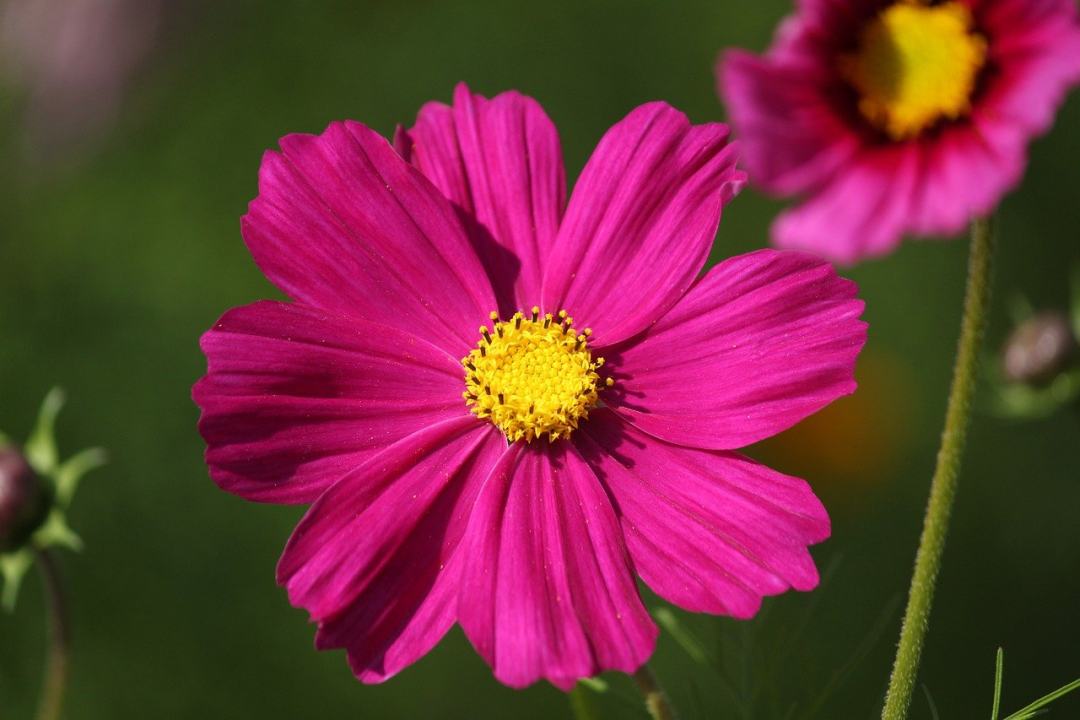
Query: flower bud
[[24, 500], [1038, 349]]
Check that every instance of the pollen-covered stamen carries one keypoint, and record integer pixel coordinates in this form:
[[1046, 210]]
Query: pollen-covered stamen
[[533, 375], [917, 63]]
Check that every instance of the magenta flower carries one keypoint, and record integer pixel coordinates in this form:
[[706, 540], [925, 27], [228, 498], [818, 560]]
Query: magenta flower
[[898, 117], [515, 479]]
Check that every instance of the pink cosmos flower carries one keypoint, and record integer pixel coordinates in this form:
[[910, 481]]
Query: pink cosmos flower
[[514, 480], [897, 117]]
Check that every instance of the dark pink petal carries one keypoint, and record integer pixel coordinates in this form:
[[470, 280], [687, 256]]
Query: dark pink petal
[[387, 630], [547, 591], [500, 161], [641, 221], [762, 341], [353, 531], [374, 559], [819, 30], [791, 135], [863, 212], [708, 531], [344, 224], [295, 398]]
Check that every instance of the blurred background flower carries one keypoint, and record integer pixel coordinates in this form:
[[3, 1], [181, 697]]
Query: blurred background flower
[[1037, 370], [70, 64], [895, 118], [1038, 348]]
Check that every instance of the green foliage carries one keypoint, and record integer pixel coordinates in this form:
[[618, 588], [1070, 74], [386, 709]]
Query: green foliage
[[1019, 401], [1035, 708], [754, 669], [930, 703], [582, 704], [667, 620], [999, 667]]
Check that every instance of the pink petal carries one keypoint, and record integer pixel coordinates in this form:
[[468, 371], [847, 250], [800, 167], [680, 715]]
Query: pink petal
[[295, 398], [548, 591], [344, 224], [389, 629], [1035, 51], [355, 528], [641, 221], [762, 341], [499, 160], [708, 531], [964, 172], [791, 135], [862, 213], [374, 558]]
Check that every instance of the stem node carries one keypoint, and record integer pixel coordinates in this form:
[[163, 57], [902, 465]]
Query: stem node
[[656, 700]]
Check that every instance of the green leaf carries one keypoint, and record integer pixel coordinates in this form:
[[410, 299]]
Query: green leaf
[[598, 685], [686, 639], [1036, 707], [998, 672], [930, 702], [71, 471], [1024, 402], [40, 448], [13, 567], [855, 659], [581, 703]]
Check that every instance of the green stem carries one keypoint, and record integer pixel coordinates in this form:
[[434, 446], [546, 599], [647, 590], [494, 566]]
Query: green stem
[[943, 485], [56, 667], [656, 700], [581, 704]]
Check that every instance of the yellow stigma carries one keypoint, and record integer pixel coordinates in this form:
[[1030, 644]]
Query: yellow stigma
[[533, 375], [915, 65]]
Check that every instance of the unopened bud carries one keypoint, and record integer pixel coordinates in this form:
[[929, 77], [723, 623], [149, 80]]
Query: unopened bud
[[1038, 349], [24, 500]]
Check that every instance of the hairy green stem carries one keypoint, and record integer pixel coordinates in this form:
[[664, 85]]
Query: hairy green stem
[[946, 473], [56, 665], [656, 700]]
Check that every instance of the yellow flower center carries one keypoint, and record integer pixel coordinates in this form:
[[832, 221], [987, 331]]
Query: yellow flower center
[[533, 375], [915, 65]]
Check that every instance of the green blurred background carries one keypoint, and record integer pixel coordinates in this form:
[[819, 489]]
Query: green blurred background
[[118, 249]]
